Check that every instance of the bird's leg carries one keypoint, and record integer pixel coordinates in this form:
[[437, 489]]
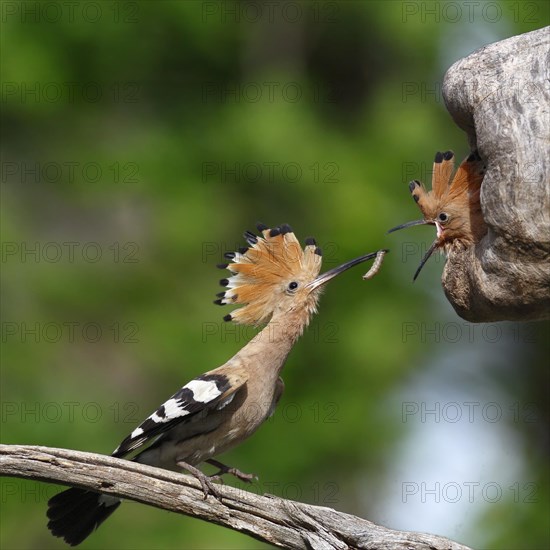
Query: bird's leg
[[248, 478], [206, 484]]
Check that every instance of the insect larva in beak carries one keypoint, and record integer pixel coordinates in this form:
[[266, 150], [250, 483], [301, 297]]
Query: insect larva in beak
[[375, 265]]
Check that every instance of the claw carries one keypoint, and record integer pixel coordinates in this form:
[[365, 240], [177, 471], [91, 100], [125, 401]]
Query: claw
[[207, 486]]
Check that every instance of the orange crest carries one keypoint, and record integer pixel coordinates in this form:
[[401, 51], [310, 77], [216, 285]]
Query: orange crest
[[452, 205], [272, 267], [448, 196]]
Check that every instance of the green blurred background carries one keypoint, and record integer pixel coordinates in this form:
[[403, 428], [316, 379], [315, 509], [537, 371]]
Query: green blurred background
[[139, 140]]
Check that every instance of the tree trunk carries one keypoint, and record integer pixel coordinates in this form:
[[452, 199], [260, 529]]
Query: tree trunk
[[499, 96]]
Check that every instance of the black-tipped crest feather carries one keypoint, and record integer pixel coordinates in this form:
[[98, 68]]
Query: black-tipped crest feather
[[452, 204], [260, 272]]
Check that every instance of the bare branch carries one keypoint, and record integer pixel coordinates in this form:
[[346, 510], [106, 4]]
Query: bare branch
[[283, 523]]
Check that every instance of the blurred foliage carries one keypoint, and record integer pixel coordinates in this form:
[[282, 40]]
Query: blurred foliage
[[158, 132]]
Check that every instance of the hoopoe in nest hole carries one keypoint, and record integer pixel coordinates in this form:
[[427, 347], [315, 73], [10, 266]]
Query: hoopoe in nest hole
[[452, 205], [278, 284]]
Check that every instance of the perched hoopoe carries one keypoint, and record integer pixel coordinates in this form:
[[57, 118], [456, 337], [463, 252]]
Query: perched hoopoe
[[278, 283], [452, 205]]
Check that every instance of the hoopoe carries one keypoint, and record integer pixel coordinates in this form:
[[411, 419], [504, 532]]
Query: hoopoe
[[278, 284], [453, 206]]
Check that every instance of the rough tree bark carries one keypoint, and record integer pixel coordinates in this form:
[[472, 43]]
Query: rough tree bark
[[499, 96], [282, 523]]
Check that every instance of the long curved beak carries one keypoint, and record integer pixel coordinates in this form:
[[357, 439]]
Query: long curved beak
[[328, 275], [426, 257], [409, 224]]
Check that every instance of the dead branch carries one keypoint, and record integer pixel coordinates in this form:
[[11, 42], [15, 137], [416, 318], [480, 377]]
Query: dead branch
[[282, 523]]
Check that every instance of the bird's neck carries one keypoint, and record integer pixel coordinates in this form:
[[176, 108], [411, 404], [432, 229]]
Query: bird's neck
[[271, 346]]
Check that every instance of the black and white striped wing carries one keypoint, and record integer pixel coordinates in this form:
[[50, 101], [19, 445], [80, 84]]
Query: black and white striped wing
[[213, 390]]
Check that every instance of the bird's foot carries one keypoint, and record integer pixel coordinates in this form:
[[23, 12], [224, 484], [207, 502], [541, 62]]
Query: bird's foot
[[223, 469], [207, 486]]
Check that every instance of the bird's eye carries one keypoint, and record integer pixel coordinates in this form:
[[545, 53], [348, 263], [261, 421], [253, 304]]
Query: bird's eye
[[443, 217], [293, 285]]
